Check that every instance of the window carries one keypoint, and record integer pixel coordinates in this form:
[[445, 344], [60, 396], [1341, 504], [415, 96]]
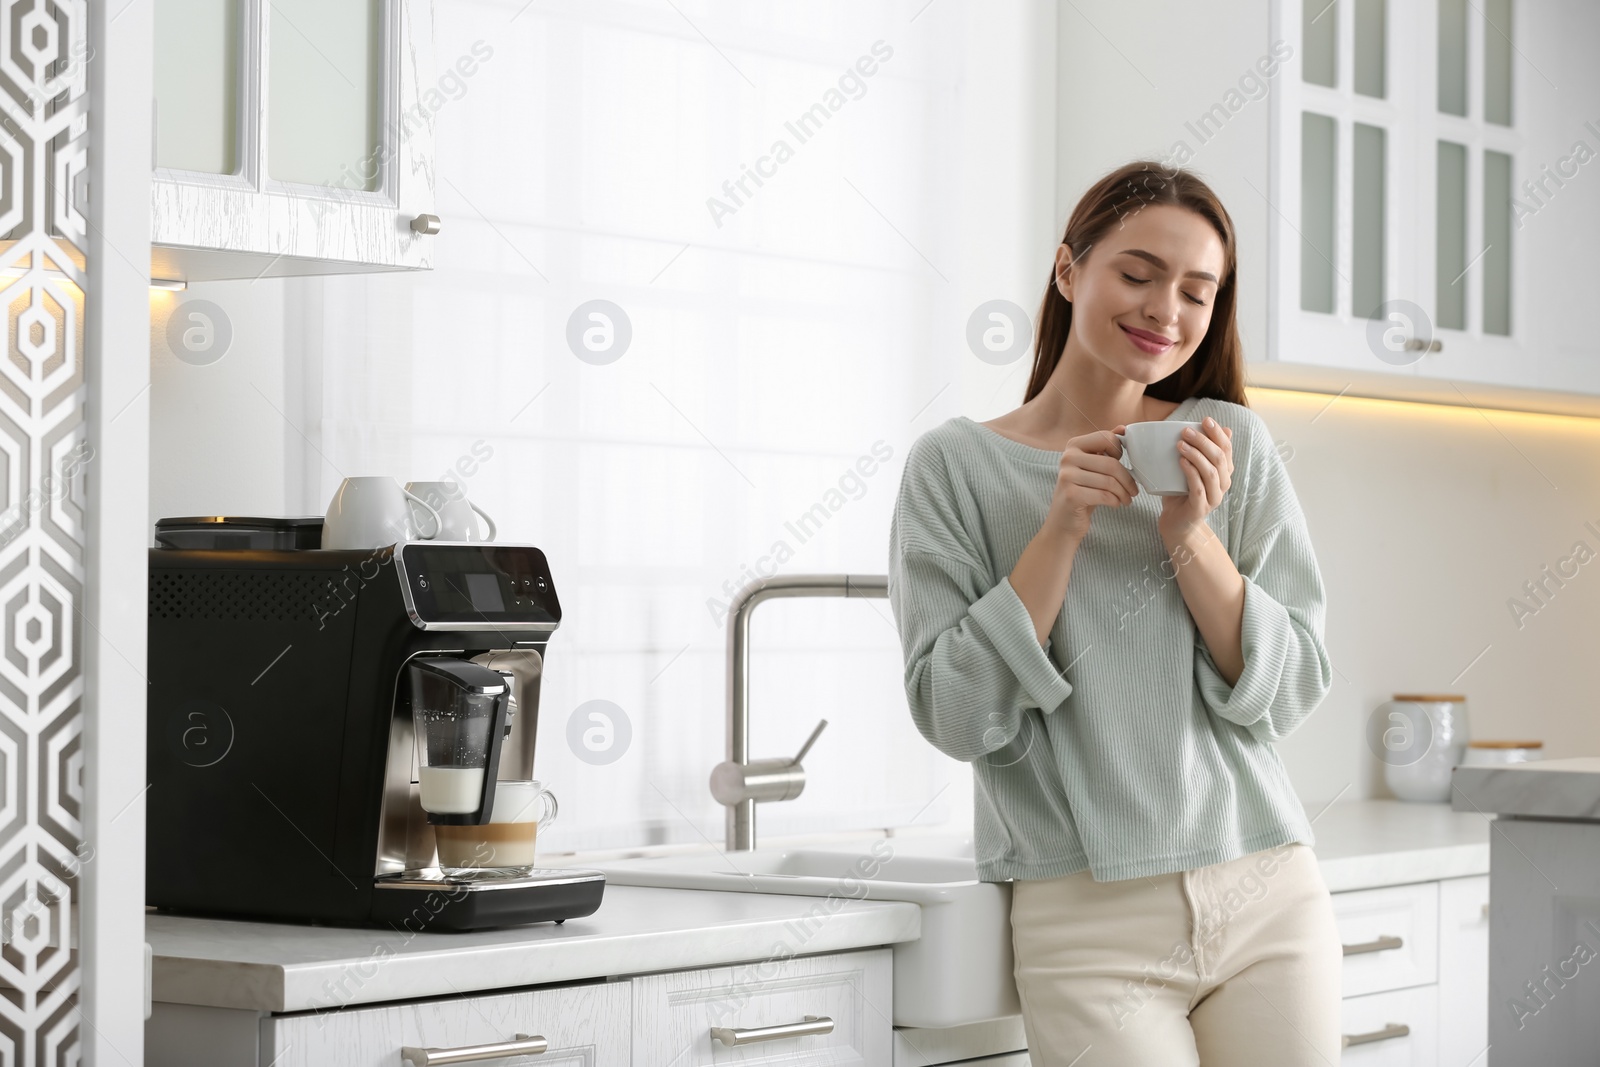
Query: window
[[785, 312]]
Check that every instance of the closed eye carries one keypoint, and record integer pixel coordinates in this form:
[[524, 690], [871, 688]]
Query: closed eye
[[1141, 281]]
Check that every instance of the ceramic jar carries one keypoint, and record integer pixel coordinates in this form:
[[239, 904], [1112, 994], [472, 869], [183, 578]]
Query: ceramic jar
[[1434, 734], [1501, 753]]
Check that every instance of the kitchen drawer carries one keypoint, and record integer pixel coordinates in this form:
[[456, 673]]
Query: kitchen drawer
[[1408, 914], [586, 1026], [674, 1014], [1416, 1009]]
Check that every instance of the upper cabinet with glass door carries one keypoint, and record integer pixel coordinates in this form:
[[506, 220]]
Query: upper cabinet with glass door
[[291, 138], [1402, 239]]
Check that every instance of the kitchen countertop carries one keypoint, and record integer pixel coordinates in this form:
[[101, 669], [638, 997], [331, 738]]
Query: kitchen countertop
[[1363, 844], [282, 967], [1552, 789]]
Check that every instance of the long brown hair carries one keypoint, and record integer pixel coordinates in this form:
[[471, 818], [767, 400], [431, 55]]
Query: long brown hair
[[1216, 369]]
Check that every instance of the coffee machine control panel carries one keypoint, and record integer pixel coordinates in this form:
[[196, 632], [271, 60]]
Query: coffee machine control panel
[[474, 585]]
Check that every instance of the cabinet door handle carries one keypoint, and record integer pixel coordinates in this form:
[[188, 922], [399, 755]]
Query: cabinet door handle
[[524, 1045], [1392, 1030], [426, 224], [1382, 944], [733, 1035]]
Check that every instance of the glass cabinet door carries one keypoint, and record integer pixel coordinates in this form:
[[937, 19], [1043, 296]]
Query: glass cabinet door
[[1345, 120], [1397, 166], [199, 46], [325, 92], [1472, 142]]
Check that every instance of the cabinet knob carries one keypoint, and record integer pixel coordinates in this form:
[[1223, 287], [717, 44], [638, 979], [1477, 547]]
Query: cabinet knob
[[426, 224]]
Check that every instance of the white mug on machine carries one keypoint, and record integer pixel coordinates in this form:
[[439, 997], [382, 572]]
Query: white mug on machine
[[458, 515], [1152, 451], [373, 512]]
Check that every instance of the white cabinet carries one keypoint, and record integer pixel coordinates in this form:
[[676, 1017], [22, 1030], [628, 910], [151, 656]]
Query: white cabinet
[[1424, 190], [585, 1025], [1233, 107], [1415, 980], [1397, 1028], [296, 136], [829, 1009], [1390, 937], [834, 1009], [1463, 970]]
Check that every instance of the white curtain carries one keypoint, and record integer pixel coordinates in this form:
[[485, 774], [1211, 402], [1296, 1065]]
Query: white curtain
[[790, 338]]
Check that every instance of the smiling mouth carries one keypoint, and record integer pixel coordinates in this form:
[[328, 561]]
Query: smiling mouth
[[1154, 344]]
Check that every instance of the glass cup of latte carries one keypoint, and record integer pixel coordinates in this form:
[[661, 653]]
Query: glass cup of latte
[[506, 841]]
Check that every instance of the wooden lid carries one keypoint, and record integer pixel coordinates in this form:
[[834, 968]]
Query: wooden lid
[[1505, 744], [1429, 698]]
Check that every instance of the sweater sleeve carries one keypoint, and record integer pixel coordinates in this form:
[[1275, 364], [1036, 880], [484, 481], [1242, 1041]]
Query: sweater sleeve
[[973, 663], [1286, 668]]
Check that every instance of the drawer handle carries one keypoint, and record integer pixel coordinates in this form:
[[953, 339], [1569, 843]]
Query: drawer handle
[[428, 225], [1382, 944], [733, 1035], [524, 1045], [1392, 1030]]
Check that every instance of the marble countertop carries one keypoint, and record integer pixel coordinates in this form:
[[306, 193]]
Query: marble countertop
[[1363, 844], [1554, 788], [282, 967]]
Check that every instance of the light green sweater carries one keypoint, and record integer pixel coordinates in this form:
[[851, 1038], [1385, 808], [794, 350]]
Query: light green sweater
[[1116, 745]]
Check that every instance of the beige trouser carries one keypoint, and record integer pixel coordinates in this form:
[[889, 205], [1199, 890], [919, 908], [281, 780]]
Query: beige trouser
[[1232, 965]]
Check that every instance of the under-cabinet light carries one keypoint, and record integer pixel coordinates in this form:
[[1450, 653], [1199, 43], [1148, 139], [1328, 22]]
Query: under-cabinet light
[[173, 285]]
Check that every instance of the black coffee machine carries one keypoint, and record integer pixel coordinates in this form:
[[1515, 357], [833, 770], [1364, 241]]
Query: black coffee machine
[[284, 772]]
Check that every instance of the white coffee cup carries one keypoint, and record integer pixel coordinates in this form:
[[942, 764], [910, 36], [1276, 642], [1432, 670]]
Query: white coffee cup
[[458, 515], [374, 512], [1151, 449], [521, 809]]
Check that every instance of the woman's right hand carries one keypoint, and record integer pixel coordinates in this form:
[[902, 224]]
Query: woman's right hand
[[1090, 476]]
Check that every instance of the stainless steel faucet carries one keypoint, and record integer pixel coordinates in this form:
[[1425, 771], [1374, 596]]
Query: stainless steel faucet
[[739, 782]]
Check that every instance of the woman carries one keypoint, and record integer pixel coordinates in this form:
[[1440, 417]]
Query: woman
[[1116, 666]]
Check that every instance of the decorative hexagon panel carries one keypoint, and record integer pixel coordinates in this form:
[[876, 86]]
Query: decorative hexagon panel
[[44, 123]]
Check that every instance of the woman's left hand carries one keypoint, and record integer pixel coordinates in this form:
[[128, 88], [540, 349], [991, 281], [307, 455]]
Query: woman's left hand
[[1206, 457]]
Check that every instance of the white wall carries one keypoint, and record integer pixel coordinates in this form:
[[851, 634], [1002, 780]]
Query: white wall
[[1427, 521], [217, 430], [1131, 86]]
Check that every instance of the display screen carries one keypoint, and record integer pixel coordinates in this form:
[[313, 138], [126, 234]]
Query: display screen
[[492, 585]]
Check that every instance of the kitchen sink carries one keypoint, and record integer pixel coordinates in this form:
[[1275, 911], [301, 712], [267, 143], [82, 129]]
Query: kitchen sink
[[959, 971]]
